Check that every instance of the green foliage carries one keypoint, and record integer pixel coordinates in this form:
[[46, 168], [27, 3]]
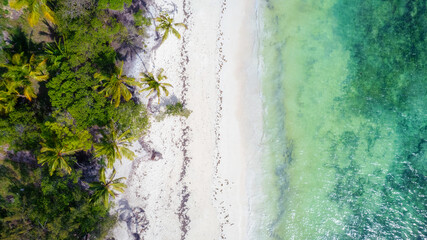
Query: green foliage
[[116, 86], [131, 116], [37, 207], [3, 21], [61, 140], [177, 109], [113, 4], [20, 129], [35, 10], [87, 48], [24, 75], [140, 19], [50, 93], [56, 53], [73, 91], [106, 187], [115, 145], [154, 85], [167, 26], [19, 42], [90, 38], [65, 132]]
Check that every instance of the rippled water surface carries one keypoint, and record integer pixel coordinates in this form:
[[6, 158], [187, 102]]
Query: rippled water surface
[[345, 88]]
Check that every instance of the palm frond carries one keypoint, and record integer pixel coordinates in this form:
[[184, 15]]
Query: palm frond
[[181, 25], [121, 70], [48, 14], [16, 59], [176, 33], [113, 174], [151, 91], [165, 36], [120, 187], [18, 4], [160, 75], [29, 93], [52, 167], [33, 18], [102, 175], [158, 96], [165, 90], [127, 153], [99, 76], [127, 95], [123, 136]]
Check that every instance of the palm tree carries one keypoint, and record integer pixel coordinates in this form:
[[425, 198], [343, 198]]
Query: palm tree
[[167, 25], [8, 95], [115, 146], [103, 189], [57, 52], [56, 157], [154, 85], [26, 74], [116, 86], [36, 9]]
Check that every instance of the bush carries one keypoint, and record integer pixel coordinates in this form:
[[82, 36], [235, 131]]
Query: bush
[[140, 20], [113, 4], [36, 206], [131, 116], [176, 109]]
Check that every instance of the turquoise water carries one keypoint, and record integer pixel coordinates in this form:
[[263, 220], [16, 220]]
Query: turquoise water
[[345, 90]]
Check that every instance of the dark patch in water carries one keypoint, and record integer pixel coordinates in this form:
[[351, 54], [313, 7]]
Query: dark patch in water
[[387, 86]]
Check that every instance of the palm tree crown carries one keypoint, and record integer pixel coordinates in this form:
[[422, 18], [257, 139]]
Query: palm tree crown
[[154, 85], [56, 53], [167, 25], [25, 74], [115, 146], [105, 188], [56, 157], [36, 9], [116, 86]]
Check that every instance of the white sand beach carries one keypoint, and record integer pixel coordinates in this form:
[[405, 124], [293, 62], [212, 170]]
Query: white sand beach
[[199, 187]]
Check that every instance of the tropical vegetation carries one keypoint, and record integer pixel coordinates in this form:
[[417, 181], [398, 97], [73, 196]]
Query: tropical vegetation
[[167, 26], [175, 109], [35, 9], [115, 145], [67, 110], [56, 157], [116, 86], [153, 84], [106, 187], [24, 74], [113, 4]]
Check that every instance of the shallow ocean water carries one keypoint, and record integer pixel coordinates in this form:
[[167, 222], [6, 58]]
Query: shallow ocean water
[[345, 121]]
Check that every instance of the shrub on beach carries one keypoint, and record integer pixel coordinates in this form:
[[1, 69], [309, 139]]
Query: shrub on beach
[[176, 109]]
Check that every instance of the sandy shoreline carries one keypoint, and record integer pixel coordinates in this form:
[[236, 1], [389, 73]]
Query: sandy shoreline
[[199, 189]]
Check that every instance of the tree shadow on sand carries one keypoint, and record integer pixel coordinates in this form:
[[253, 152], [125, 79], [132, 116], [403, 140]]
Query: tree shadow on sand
[[135, 218]]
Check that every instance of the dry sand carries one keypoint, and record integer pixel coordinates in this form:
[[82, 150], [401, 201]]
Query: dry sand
[[199, 188]]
